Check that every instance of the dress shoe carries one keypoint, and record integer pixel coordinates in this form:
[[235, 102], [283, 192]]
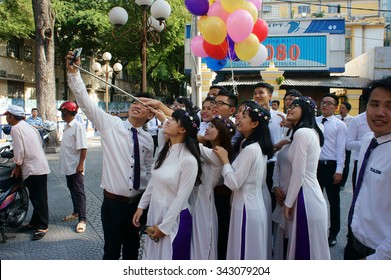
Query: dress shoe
[[332, 241]]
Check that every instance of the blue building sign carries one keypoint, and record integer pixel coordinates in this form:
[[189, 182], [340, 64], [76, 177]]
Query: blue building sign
[[304, 51]]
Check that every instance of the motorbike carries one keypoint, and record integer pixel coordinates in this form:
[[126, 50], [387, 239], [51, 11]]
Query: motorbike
[[7, 145], [14, 196]]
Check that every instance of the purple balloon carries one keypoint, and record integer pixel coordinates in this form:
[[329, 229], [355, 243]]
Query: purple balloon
[[197, 7], [231, 50]]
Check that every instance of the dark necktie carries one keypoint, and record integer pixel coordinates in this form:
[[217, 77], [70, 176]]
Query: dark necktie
[[360, 177], [342, 119], [324, 120], [136, 179]]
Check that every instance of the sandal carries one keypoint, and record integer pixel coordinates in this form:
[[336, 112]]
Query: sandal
[[39, 234], [81, 227], [70, 217]]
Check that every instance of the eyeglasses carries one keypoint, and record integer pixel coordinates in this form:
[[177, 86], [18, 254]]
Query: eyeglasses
[[326, 103], [293, 106], [221, 103]]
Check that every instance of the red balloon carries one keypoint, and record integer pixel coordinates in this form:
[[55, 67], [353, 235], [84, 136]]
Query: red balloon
[[216, 51], [261, 29]]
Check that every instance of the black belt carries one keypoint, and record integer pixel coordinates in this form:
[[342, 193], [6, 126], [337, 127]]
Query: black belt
[[327, 162], [122, 198], [361, 248]]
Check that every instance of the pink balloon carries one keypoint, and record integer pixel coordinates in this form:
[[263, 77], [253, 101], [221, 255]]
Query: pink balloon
[[217, 10], [239, 25], [197, 47], [257, 3]]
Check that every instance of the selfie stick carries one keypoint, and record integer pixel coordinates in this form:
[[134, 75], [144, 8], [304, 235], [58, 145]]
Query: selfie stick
[[110, 84]]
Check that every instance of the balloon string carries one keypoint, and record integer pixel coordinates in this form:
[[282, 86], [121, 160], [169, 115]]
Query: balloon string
[[234, 86]]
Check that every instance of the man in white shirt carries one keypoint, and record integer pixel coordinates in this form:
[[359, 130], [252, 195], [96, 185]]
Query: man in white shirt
[[369, 215], [32, 165], [262, 95], [356, 131], [126, 168], [344, 116], [72, 157], [331, 161], [153, 127]]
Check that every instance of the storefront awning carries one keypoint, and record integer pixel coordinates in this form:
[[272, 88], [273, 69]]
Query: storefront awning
[[328, 82]]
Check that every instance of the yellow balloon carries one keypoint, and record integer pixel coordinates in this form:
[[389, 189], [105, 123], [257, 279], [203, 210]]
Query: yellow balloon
[[214, 30], [232, 5], [250, 7], [211, 2], [200, 23], [248, 48]]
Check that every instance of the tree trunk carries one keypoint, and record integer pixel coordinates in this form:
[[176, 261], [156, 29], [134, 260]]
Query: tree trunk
[[44, 59]]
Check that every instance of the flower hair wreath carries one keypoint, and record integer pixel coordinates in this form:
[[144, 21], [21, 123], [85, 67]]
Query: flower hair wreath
[[227, 124], [193, 122], [258, 112], [307, 100]]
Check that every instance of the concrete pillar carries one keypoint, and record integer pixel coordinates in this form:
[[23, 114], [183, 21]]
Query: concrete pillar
[[207, 77], [270, 76]]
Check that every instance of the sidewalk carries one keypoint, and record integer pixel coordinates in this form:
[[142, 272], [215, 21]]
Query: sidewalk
[[63, 243]]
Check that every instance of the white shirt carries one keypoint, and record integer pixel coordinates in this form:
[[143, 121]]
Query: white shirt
[[28, 152], [335, 132], [153, 126], [203, 127], [347, 120], [371, 223], [117, 144], [357, 129], [276, 131], [73, 141]]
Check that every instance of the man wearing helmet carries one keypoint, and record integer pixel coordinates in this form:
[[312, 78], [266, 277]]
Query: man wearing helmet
[[72, 156], [126, 168]]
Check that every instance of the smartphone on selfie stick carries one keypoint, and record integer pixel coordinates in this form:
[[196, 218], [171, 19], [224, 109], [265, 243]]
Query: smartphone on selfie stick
[[76, 54]]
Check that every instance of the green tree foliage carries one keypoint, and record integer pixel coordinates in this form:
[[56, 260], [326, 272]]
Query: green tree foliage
[[16, 19], [165, 67]]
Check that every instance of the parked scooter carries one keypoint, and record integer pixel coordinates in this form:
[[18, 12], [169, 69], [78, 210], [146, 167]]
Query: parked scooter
[[14, 197], [7, 145], [48, 127]]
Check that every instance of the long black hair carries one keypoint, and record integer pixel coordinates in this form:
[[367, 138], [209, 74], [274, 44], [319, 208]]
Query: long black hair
[[260, 134], [190, 122], [308, 113]]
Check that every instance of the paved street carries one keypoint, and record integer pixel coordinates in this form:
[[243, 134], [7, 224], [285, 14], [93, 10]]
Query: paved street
[[63, 243]]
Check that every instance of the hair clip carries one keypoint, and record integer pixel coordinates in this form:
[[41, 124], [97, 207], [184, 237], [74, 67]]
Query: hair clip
[[227, 124]]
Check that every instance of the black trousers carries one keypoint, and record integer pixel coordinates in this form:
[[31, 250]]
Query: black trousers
[[346, 169], [75, 183], [354, 174], [118, 229], [38, 192], [223, 209], [325, 175]]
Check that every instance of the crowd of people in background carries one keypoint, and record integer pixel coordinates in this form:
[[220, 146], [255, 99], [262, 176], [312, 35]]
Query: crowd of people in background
[[228, 181]]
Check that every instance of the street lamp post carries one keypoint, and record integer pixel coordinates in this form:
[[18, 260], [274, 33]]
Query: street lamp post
[[97, 67], [149, 33]]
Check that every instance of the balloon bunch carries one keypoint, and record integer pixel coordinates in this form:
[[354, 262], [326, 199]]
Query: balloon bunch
[[230, 30]]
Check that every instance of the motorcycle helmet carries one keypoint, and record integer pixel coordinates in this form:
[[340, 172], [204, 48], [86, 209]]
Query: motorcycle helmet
[[49, 125], [6, 129], [69, 105]]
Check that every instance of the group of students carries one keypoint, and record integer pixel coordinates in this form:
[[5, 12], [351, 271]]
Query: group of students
[[172, 198]]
